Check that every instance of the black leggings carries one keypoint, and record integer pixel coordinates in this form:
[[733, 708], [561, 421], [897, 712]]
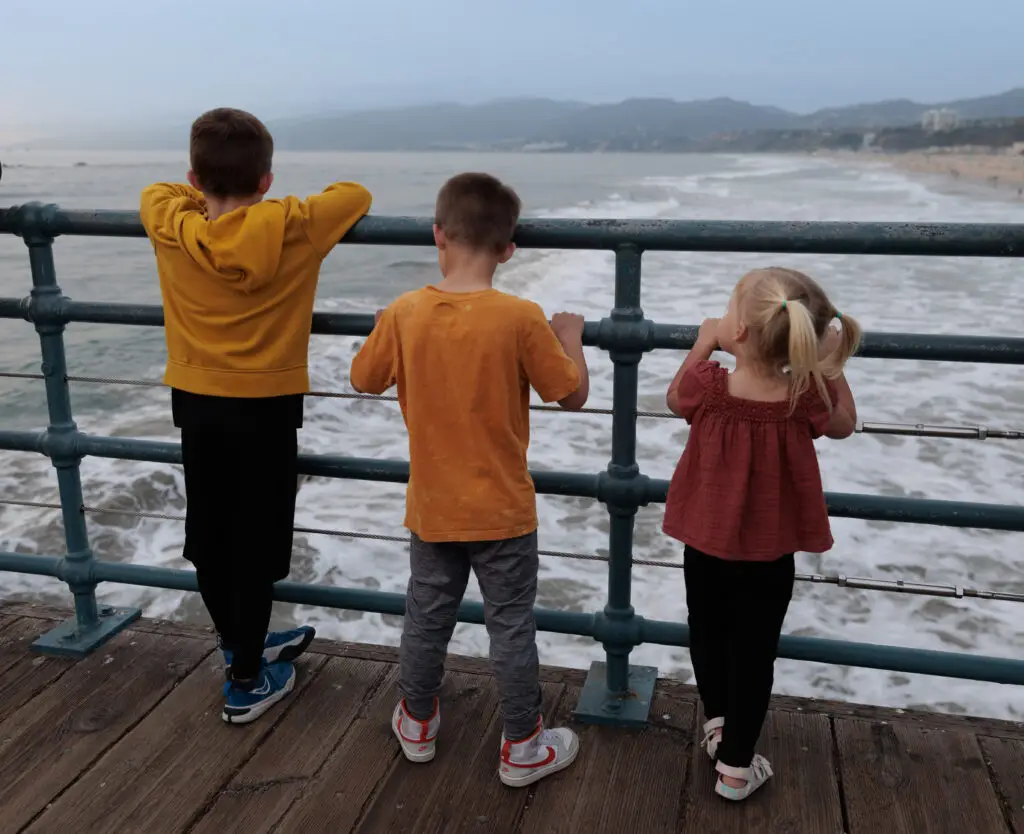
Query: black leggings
[[240, 489], [736, 610]]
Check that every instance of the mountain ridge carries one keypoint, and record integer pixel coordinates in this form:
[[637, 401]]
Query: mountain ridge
[[527, 123]]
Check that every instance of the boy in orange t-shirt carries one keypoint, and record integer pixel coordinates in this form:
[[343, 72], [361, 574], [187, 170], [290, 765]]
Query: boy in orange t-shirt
[[464, 357]]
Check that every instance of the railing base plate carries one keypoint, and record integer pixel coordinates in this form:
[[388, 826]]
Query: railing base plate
[[66, 640], [598, 706]]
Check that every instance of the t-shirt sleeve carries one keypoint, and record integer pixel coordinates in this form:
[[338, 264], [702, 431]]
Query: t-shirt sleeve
[[329, 215], [545, 364], [375, 368], [694, 386], [817, 409]]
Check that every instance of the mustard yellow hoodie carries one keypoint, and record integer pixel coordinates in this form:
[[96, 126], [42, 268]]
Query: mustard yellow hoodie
[[238, 291]]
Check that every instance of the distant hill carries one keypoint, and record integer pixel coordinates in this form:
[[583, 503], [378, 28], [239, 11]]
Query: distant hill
[[631, 125], [900, 112], [546, 124], [426, 126]]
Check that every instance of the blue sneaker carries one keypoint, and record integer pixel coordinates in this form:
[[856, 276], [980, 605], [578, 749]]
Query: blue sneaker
[[279, 645], [244, 705]]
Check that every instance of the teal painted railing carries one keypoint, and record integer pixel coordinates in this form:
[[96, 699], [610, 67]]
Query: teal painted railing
[[616, 692]]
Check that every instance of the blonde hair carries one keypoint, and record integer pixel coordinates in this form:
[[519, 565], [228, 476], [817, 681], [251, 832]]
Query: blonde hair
[[788, 316]]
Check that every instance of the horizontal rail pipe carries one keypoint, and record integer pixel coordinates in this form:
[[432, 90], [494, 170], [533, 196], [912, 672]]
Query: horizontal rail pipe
[[576, 484], [982, 240], [659, 632], [936, 347]]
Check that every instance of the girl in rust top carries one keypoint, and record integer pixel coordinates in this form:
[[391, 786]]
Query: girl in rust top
[[747, 493]]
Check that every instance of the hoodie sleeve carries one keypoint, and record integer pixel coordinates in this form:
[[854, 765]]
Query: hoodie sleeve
[[162, 199], [329, 215]]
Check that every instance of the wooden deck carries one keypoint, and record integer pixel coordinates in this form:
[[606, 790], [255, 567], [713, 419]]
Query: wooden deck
[[130, 740]]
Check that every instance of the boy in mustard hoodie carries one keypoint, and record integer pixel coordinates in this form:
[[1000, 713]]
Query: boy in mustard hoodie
[[238, 276]]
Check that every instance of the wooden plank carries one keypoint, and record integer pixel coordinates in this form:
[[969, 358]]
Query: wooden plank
[[902, 780], [8, 657], [803, 795], [28, 673], [477, 800], [47, 743], [333, 801], [623, 780], [1005, 760], [13, 643], [575, 677], [163, 773], [469, 706], [299, 744]]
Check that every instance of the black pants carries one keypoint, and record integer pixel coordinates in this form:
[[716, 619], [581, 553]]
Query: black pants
[[240, 492], [735, 616]]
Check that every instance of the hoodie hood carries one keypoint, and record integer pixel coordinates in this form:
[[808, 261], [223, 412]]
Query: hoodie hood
[[242, 246]]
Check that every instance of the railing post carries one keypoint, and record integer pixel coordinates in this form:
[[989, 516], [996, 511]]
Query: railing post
[[92, 625], [615, 692]]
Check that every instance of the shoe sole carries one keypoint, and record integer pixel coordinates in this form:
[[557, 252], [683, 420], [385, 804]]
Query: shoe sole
[[256, 711], [739, 798], [539, 773], [412, 756]]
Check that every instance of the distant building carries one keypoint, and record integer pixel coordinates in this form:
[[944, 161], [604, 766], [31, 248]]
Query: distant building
[[940, 119]]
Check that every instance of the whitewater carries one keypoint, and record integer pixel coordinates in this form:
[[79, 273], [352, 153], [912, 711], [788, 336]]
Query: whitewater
[[924, 295]]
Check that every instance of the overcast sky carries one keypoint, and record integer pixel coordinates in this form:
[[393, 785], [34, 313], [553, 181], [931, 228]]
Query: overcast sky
[[70, 61]]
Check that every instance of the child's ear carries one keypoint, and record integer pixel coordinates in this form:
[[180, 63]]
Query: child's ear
[[440, 241], [505, 256], [741, 332], [266, 181], [193, 180]]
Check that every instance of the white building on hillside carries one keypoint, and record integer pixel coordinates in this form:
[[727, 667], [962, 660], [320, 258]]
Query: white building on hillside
[[940, 119]]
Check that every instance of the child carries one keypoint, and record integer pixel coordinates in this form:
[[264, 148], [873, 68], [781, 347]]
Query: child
[[747, 493], [238, 275], [464, 357]]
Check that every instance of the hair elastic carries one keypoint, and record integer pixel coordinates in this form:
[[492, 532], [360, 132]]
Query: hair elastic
[[839, 316], [783, 304]]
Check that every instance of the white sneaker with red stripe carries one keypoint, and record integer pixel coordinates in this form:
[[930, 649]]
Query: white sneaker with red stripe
[[417, 738], [543, 753]]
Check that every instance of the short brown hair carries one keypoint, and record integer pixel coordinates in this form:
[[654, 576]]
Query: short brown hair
[[230, 151], [478, 211]]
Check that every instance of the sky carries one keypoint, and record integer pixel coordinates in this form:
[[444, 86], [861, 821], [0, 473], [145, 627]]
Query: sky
[[107, 62]]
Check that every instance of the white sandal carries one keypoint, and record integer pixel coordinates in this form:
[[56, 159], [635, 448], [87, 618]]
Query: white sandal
[[756, 775], [713, 736]]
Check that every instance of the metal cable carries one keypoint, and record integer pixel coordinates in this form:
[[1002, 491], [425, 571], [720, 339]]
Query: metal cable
[[899, 429], [898, 586]]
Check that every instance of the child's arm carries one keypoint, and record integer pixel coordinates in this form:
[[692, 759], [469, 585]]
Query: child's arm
[[706, 344], [568, 328], [843, 421], [375, 368], [162, 197], [329, 215], [556, 372], [843, 418]]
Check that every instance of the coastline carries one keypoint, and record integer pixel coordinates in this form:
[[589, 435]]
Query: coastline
[[1003, 173]]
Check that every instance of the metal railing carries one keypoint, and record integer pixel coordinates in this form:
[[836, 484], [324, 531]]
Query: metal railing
[[616, 692]]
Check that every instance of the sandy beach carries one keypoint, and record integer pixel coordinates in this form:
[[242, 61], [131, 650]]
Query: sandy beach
[[1000, 171]]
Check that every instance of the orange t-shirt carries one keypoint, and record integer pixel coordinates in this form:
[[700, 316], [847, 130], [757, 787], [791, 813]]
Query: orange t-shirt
[[464, 364]]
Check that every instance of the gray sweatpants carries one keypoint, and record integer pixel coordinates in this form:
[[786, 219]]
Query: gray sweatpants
[[507, 573]]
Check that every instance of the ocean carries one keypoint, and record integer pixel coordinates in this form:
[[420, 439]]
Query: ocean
[[925, 295]]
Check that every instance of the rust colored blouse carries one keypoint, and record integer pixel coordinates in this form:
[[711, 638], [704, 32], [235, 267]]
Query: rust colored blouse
[[747, 486]]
